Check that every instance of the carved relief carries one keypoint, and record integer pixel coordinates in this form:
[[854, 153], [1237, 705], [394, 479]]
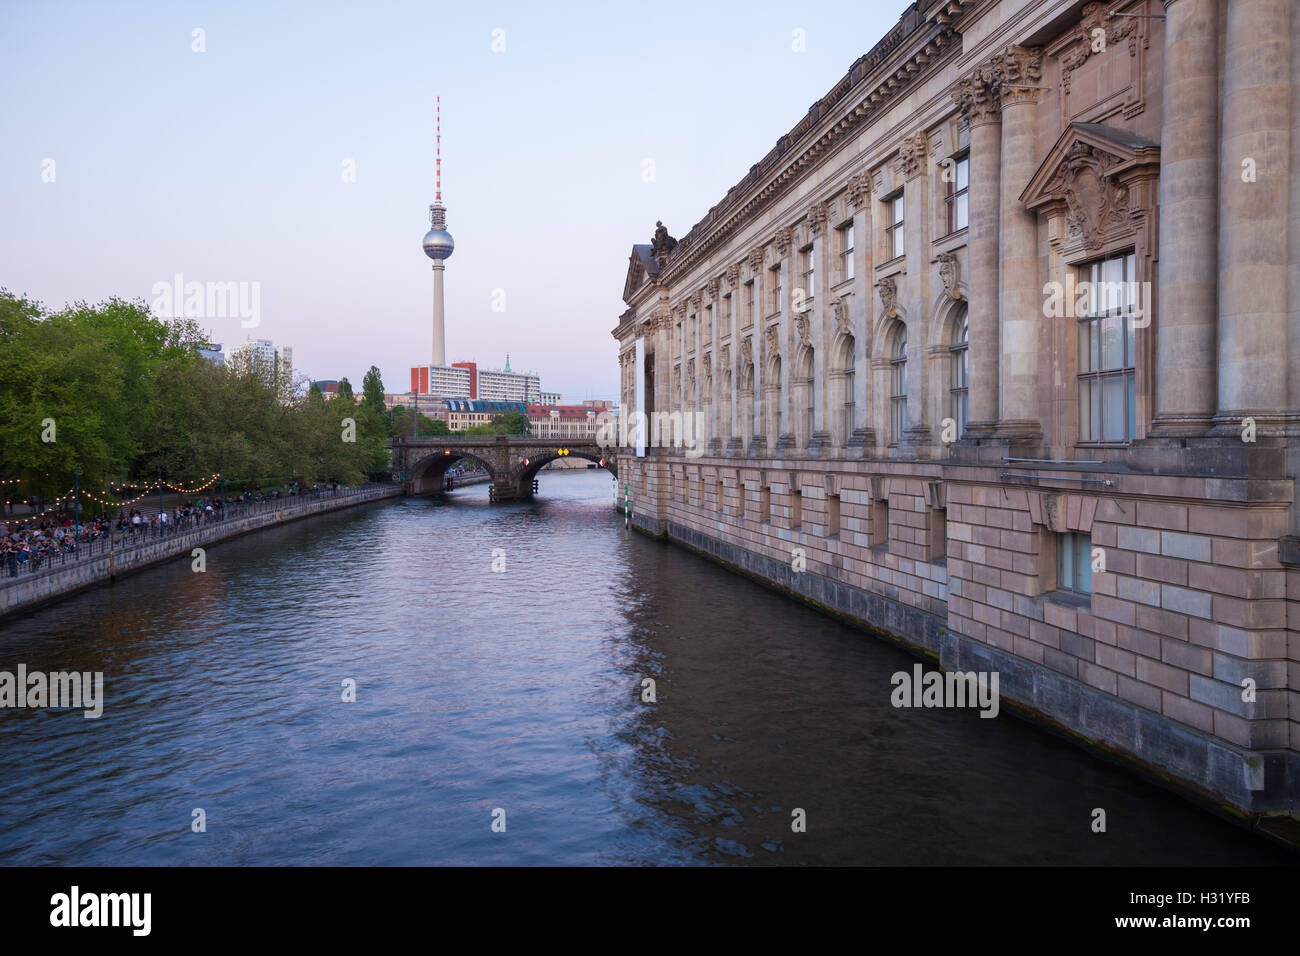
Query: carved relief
[[859, 189], [733, 276], [773, 338], [782, 240], [1113, 30], [948, 274], [840, 313], [1096, 202], [708, 366], [690, 375], [755, 260], [888, 290], [661, 320], [746, 353], [711, 287], [816, 218], [912, 154], [801, 327], [724, 357]]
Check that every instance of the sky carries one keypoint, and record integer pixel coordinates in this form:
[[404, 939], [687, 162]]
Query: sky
[[290, 147]]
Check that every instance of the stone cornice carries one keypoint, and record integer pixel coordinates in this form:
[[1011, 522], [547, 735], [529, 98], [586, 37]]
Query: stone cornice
[[887, 70]]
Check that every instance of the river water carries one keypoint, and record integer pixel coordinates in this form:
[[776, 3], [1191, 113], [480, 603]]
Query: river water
[[516, 696]]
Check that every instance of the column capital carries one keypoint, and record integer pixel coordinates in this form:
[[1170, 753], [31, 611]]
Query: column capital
[[782, 240], [816, 218], [977, 96], [1019, 70], [912, 154], [859, 189]]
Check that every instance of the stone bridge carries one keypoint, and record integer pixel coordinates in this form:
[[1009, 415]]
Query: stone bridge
[[512, 461]]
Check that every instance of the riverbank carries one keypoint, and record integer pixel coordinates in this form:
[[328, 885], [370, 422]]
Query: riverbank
[[30, 590]]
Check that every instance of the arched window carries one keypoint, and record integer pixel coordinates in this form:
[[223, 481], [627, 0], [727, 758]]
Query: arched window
[[772, 403], [724, 406], [846, 387], [898, 385], [959, 375], [806, 420], [746, 403]]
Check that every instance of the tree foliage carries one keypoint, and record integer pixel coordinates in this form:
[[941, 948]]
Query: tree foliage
[[114, 393]]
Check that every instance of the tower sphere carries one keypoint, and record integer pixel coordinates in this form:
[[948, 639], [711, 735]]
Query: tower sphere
[[438, 244]]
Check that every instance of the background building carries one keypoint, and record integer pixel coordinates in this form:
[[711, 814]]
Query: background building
[[562, 421], [266, 355], [464, 413]]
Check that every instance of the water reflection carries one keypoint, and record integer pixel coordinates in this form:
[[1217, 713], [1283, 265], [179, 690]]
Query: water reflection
[[521, 691]]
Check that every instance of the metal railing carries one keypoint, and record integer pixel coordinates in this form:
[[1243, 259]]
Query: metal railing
[[54, 555]]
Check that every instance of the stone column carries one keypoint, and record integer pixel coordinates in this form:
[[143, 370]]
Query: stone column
[[1019, 72], [1187, 303], [784, 413], [757, 440], [819, 437], [1253, 215], [977, 96], [911, 166], [861, 310]]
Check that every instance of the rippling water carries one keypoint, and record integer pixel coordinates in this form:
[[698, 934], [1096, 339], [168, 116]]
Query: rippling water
[[521, 691]]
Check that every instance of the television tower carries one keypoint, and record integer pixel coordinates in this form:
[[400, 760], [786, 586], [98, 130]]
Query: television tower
[[438, 246]]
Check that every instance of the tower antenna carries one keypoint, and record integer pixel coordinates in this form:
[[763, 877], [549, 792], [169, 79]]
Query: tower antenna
[[438, 246]]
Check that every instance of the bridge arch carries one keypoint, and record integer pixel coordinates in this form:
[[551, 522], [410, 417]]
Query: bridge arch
[[512, 462], [428, 474], [527, 469]]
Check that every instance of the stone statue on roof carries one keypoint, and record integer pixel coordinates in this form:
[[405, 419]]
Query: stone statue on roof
[[662, 243]]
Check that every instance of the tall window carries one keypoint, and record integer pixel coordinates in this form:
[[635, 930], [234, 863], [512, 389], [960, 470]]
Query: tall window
[[846, 252], [898, 386], [1074, 562], [1107, 382], [894, 227], [958, 195], [807, 272], [751, 298], [847, 386], [959, 377], [774, 283]]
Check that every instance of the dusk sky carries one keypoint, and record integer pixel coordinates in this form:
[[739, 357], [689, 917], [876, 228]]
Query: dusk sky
[[228, 165]]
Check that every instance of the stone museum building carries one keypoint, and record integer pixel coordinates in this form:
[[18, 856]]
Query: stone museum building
[[997, 354]]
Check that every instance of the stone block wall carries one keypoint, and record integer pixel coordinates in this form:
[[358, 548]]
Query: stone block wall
[[1185, 656]]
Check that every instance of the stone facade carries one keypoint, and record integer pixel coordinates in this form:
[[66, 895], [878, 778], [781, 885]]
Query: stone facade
[[899, 380]]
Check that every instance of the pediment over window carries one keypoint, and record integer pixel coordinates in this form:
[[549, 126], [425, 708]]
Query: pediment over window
[[1087, 174]]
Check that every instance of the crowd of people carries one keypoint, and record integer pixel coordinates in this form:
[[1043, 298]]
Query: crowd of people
[[31, 542]]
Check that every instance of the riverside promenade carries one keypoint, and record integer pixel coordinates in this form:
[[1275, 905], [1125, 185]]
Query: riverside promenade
[[102, 561]]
